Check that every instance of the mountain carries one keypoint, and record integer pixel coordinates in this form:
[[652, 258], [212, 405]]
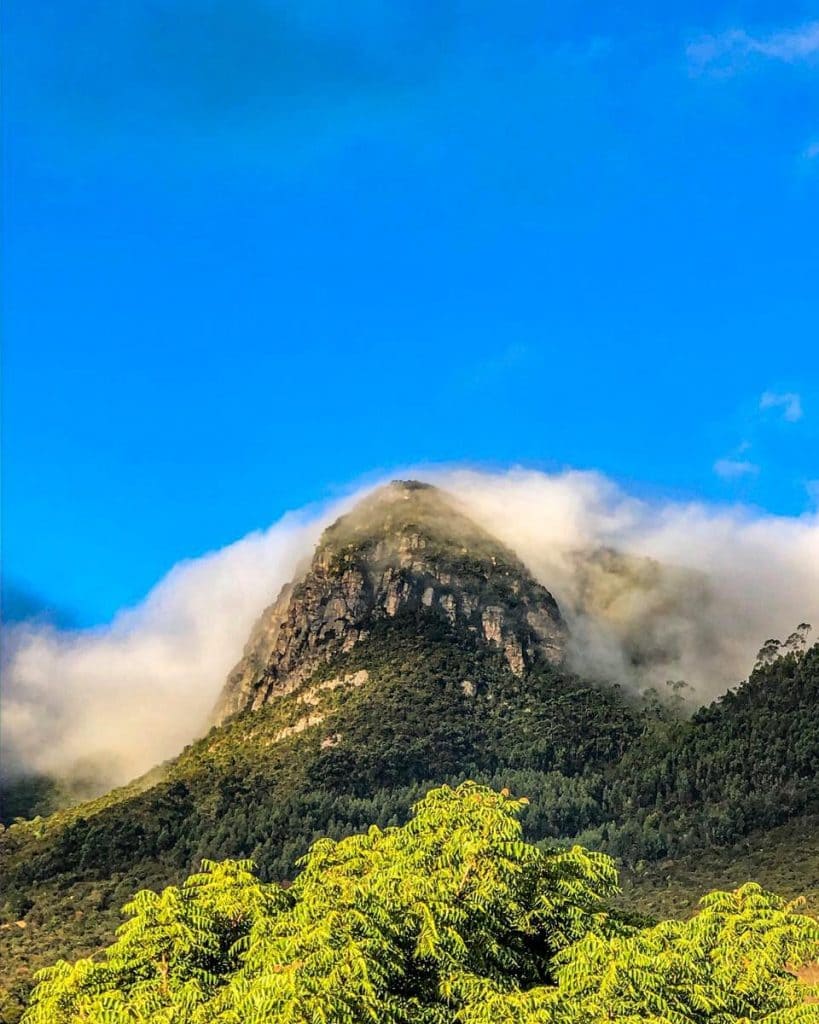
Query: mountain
[[416, 649], [407, 548]]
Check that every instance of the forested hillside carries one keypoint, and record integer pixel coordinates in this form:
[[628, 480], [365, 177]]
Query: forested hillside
[[422, 703]]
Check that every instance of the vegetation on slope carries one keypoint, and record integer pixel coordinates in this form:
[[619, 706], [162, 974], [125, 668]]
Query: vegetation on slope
[[785, 858], [420, 704]]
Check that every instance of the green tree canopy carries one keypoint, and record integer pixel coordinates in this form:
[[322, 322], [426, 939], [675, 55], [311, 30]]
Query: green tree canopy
[[449, 918]]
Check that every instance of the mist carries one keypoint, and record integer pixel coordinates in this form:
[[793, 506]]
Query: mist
[[657, 590], [652, 591], [113, 701]]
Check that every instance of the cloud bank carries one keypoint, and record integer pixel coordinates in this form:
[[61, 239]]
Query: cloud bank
[[119, 699], [653, 590]]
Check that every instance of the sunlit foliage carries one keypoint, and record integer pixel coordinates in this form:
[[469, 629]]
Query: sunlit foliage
[[449, 918]]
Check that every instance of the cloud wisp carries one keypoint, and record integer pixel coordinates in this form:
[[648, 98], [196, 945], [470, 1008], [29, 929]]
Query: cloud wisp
[[652, 591], [788, 401], [734, 469], [779, 405], [730, 51]]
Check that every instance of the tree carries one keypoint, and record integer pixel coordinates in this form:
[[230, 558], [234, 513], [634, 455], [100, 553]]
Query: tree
[[798, 640], [449, 918]]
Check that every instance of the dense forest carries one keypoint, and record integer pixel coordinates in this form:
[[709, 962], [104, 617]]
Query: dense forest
[[627, 775]]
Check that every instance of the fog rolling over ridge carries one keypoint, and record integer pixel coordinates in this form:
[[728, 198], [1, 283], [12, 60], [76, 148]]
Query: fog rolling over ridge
[[652, 591]]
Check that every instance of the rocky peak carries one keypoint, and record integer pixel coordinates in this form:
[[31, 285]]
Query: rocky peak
[[407, 547]]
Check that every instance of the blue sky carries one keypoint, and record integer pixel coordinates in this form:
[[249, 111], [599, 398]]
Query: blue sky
[[256, 250]]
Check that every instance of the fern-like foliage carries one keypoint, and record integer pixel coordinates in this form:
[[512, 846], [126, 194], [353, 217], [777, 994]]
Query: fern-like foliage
[[449, 919]]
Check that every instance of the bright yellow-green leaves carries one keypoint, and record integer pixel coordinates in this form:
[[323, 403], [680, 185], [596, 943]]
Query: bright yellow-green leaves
[[176, 949], [733, 961], [450, 919]]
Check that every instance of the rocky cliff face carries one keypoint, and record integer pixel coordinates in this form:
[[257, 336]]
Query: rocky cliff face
[[406, 548]]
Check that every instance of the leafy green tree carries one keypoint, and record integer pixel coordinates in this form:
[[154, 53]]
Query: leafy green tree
[[172, 953], [449, 918]]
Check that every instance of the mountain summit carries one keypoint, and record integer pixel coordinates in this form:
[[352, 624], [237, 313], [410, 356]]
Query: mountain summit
[[407, 548]]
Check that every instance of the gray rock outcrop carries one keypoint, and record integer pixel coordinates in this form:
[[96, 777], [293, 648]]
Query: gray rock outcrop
[[407, 548]]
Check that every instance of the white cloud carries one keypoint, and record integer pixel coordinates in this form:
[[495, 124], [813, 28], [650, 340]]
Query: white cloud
[[723, 580], [126, 696], [733, 469], [789, 401], [133, 693], [729, 51]]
